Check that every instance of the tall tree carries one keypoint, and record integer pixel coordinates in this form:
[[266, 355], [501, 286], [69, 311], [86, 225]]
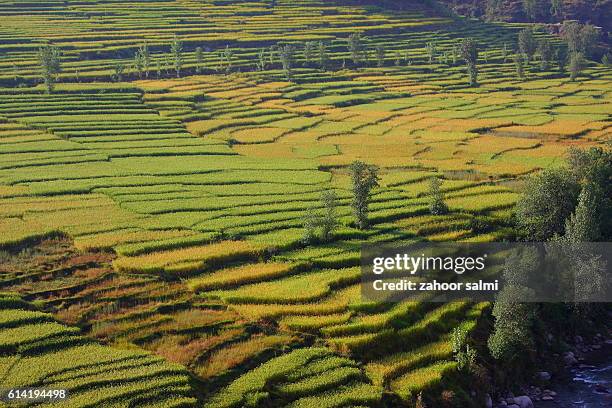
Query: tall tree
[[576, 65], [469, 52], [145, 57], [227, 57], [561, 59], [556, 8], [437, 206], [310, 48], [176, 49], [527, 43], [380, 55], [530, 7], [287, 59], [199, 57], [431, 50], [548, 200], [49, 59], [546, 53], [323, 57], [329, 219], [519, 66], [364, 178], [356, 49]]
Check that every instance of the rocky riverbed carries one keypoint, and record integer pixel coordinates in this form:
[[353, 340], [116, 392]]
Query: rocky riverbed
[[590, 384]]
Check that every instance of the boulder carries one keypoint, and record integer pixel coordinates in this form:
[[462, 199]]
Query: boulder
[[523, 401], [543, 376]]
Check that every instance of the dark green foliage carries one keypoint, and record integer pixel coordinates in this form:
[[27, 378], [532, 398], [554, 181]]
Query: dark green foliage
[[355, 47], [176, 50], [199, 57], [576, 65], [530, 8], [580, 38], [49, 58], [364, 178], [561, 59], [310, 49], [513, 330], [594, 167], [323, 58], [329, 221], [437, 206], [325, 222], [430, 48], [286, 54], [546, 54], [519, 66], [469, 53], [548, 200], [607, 59], [527, 43], [227, 57], [119, 69], [380, 55]]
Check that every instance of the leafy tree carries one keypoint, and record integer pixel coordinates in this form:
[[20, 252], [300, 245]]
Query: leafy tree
[[519, 66], [437, 206], [504, 52], [311, 222], [530, 7], [138, 64], [548, 200], [514, 321], [158, 68], [398, 59], [310, 49], [594, 166], [589, 35], [469, 53], [329, 221], [576, 65], [607, 59], [380, 55], [561, 58], [145, 58], [199, 57], [364, 178], [546, 53], [49, 59], [261, 60], [227, 57], [326, 222], [556, 8], [119, 69], [287, 59], [356, 49], [570, 31], [323, 58], [584, 224], [430, 49], [527, 43], [176, 50], [493, 9]]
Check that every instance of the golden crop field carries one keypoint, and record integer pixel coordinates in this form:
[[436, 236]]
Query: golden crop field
[[160, 208]]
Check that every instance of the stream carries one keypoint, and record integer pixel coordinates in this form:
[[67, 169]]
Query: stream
[[590, 385]]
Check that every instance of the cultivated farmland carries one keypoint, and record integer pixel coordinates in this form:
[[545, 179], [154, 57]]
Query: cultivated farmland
[[160, 211]]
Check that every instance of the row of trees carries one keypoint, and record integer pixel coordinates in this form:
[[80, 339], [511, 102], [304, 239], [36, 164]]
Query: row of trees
[[319, 226], [580, 41]]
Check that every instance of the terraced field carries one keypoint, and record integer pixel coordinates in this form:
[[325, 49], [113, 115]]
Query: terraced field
[[166, 214]]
